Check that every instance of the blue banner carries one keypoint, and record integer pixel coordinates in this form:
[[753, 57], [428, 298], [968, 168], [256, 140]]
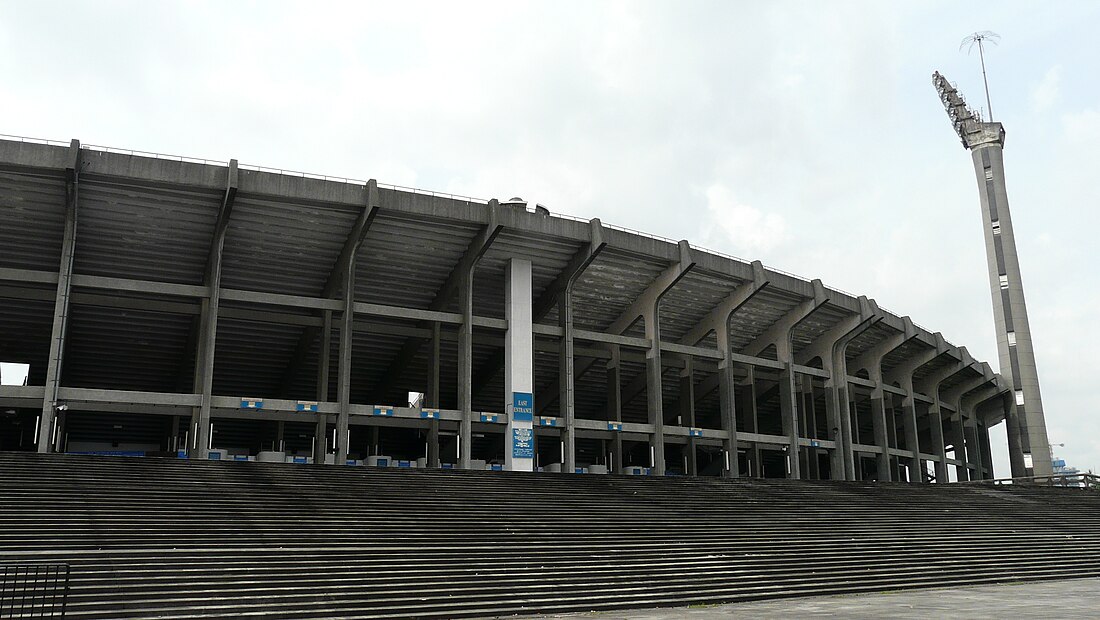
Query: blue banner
[[523, 443], [523, 406]]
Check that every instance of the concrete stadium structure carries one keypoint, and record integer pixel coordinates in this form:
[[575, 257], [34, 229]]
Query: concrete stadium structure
[[168, 304], [1029, 448]]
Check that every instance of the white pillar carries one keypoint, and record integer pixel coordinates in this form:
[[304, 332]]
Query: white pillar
[[519, 452]]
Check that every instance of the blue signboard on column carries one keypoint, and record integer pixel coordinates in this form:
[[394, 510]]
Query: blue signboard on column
[[523, 406], [523, 443]]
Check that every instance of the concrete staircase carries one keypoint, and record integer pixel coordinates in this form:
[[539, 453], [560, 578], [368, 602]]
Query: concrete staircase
[[168, 538]]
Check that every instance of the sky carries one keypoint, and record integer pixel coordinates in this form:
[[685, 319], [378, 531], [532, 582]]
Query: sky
[[803, 134]]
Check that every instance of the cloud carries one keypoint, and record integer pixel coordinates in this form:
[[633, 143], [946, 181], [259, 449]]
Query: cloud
[[804, 136], [1048, 91], [746, 229]]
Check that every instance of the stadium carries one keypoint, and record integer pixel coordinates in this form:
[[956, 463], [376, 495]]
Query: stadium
[[191, 311], [623, 331]]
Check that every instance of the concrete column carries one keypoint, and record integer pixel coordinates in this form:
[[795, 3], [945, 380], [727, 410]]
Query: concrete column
[[728, 405], [789, 412], [519, 345], [49, 434], [431, 398], [748, 406], [566, 400], [1014, 344], [958, 438], [809, 415], [614, 404], [687, 412], [912, 438], [830, 348], [935, 424], [204, 371], [833, 413], [343, 387], [891, 412], [973, 452], [718, 321], [882, 438], [1016, 444], [465, 367], [654, 388], [987, 454], [320, 430], [845, 455]]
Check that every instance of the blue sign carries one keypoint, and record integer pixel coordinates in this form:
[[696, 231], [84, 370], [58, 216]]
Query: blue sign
[[252, 403], [523, 406], [815, 443], [306, 405], [523, 443]]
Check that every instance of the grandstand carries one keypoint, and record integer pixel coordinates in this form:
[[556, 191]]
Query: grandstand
[[170, 305], [321, 375]]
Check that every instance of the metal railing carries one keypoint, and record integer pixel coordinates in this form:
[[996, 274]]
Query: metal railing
[[164, 156], [33, 590], [457, 197], [5, 136], [1078, 481]]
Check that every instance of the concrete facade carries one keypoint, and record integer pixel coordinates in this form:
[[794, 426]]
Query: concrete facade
[[244, 310]]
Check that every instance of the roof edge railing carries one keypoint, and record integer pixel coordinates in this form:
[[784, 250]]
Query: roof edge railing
[[424, 192], [164, 156]]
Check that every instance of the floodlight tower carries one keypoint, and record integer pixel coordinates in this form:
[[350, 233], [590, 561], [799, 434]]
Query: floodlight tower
[[1029, 450]]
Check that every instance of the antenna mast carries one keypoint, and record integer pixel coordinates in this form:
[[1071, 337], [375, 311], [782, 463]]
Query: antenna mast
[[980, 38]]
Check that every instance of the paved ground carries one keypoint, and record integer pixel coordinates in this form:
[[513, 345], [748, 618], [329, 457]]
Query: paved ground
[[1074, 598]]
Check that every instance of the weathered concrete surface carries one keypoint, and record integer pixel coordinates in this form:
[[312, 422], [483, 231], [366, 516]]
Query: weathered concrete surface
[[1073, 598]]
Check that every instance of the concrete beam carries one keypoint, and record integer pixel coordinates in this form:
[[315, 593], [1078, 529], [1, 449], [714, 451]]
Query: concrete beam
[[649, 305], [562, 289], [549, 298], [50, 422], [930, 385], [957, 434], [208, 329], [461, 283], [831, 348], [871, 361], [651, 295], [902, 375], [451, 287], [779, 334], [353, 241], [347, 326]]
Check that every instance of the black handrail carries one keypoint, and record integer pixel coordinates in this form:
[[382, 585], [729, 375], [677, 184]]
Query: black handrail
[[34, 590], [1084, 481]]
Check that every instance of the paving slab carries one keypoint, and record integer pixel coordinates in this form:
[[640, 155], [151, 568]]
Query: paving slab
[[1071, 598]]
